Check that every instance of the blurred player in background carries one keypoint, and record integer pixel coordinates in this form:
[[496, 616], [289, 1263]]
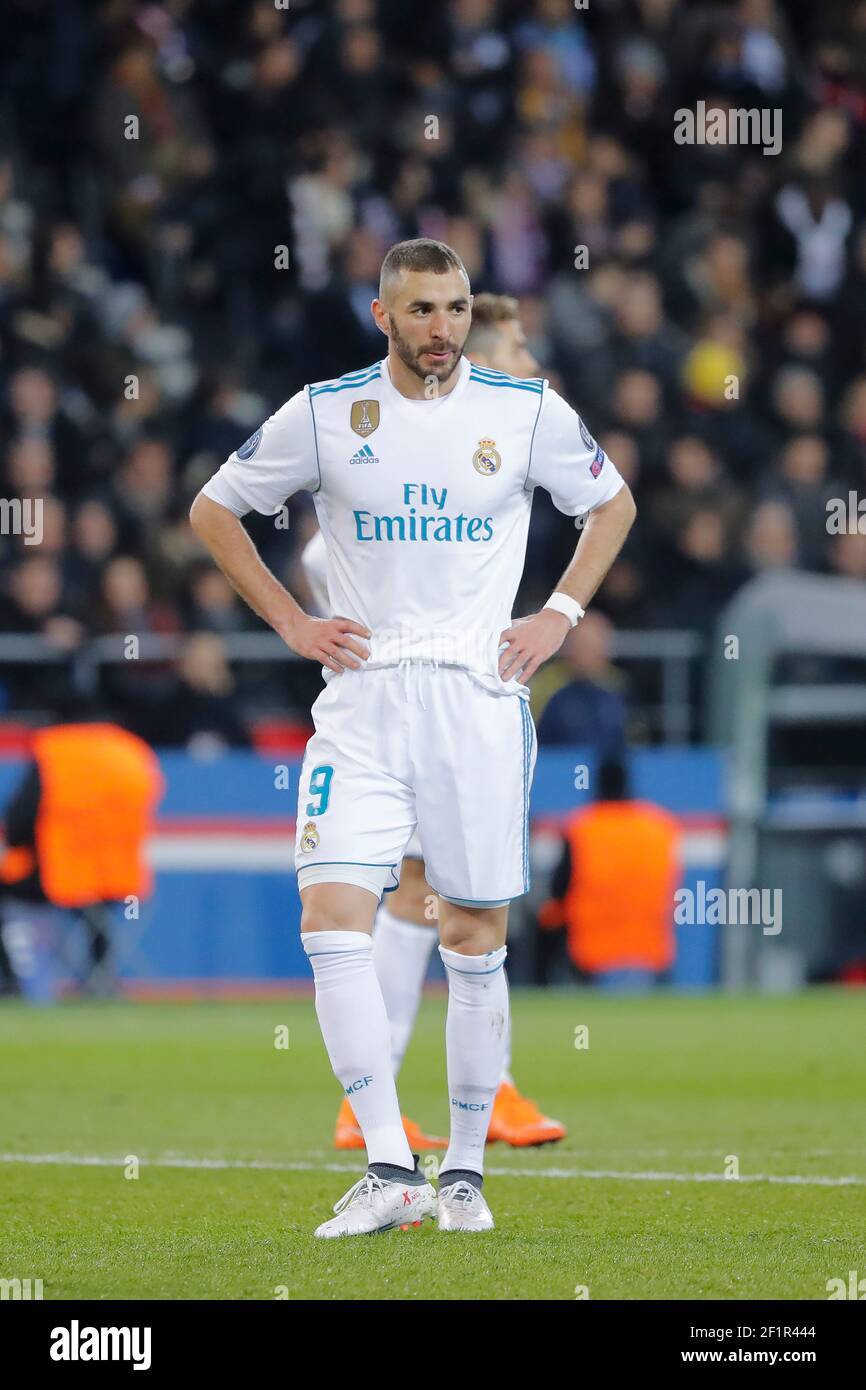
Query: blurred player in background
[[619, 928], [76, 830], [429, 723], [406, 928]]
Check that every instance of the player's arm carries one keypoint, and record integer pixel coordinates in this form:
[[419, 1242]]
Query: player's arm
[[535, 639], [601, 540], [328, 640], [583, 483], [276, 462]]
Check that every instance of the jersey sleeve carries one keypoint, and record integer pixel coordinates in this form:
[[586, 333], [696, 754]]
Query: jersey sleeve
[[567, 462], [277, 461]]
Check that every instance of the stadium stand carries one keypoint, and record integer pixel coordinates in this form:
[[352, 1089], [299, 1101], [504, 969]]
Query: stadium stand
[[160, 294]]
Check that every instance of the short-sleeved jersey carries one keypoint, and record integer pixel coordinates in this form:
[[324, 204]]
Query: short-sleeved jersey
[[314, 563], [424, 505]]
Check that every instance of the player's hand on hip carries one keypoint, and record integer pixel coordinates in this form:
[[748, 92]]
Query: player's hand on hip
[[332, 641], [531, 642]]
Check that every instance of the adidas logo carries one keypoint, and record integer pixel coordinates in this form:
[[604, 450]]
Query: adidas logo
[[364, 455]]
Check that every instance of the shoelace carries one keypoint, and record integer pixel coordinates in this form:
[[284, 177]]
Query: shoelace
[[464, 1192], [363, 1190]]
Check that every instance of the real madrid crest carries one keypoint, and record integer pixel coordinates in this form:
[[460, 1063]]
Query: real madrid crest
[[487, 459], [364, 417], [309, 837]]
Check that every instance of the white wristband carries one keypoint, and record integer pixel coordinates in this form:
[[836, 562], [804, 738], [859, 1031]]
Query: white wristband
[[567, 606]]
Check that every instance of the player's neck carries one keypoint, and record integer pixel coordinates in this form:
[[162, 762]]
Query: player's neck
[[417, 388]]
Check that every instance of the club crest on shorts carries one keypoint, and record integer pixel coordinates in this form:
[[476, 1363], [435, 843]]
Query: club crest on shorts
[[486, 459], [309, 837], [364, 417]]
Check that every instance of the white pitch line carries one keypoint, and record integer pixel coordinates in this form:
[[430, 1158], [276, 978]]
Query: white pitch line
[[266, 1165]]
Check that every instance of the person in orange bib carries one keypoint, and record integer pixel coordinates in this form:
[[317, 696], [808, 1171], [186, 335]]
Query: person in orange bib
[[613, 890], [76, 829]]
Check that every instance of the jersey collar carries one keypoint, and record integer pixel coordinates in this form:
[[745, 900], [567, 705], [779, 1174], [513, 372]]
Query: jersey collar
[[390, 390]]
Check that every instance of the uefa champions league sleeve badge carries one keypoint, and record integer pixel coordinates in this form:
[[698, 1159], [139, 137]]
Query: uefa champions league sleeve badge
[[247, 450]]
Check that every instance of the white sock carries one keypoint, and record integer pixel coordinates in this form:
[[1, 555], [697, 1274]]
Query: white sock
[[401, 954], [505, 1077], [354, 1025], [474, 1041]]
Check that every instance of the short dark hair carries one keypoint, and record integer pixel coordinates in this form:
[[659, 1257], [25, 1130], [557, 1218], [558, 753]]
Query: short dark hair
[[488, 312], [421, 253], [494, 308]]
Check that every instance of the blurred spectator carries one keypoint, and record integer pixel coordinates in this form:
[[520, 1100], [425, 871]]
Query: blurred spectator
[[212, 605], [581, 699], [802, 482], [697, 483], [848, 556], [698, 575], [127, 604], [197, 710], [771, 537], [34, 602]]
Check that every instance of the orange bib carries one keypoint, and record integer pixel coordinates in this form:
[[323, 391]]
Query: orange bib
[[100, 789], [620, 902]]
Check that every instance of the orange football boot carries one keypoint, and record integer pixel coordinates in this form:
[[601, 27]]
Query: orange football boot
[[519, 1122], [419, 1142], [348, 1134]]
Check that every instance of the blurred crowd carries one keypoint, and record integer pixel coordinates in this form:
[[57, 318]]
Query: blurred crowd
[[195, 197]]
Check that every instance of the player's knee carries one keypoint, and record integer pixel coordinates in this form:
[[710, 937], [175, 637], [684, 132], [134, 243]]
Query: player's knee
[[472, 931], [337, 907], [319, 917]]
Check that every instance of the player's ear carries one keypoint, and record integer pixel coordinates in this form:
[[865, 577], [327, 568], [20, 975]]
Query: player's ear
[[380, 316]]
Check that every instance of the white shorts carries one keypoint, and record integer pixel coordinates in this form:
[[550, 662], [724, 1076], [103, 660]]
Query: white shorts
[[425, 747], [413, 850]]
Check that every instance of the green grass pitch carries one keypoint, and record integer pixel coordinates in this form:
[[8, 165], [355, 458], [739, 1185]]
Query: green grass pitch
[[668, 1088]]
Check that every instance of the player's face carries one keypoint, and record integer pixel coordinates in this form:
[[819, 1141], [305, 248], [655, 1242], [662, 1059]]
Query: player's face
[[428, 318], [511, 352]]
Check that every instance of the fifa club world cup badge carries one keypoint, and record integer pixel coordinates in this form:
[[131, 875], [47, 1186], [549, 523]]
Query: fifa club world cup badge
[[486, 459], [364, 417], [309, 837]]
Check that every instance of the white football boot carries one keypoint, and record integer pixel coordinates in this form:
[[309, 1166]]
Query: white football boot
[[374, 1204], [463, 1208]]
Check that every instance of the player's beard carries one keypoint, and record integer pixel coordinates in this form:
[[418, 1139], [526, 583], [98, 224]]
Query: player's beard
[[411, 357]]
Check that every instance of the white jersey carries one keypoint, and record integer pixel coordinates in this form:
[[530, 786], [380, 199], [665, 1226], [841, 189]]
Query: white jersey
[[314, 562], [423, 504]]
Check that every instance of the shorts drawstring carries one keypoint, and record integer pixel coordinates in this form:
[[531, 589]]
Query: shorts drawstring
[[405, 665]]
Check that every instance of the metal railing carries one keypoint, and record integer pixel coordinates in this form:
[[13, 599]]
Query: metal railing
[[675, 653]]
